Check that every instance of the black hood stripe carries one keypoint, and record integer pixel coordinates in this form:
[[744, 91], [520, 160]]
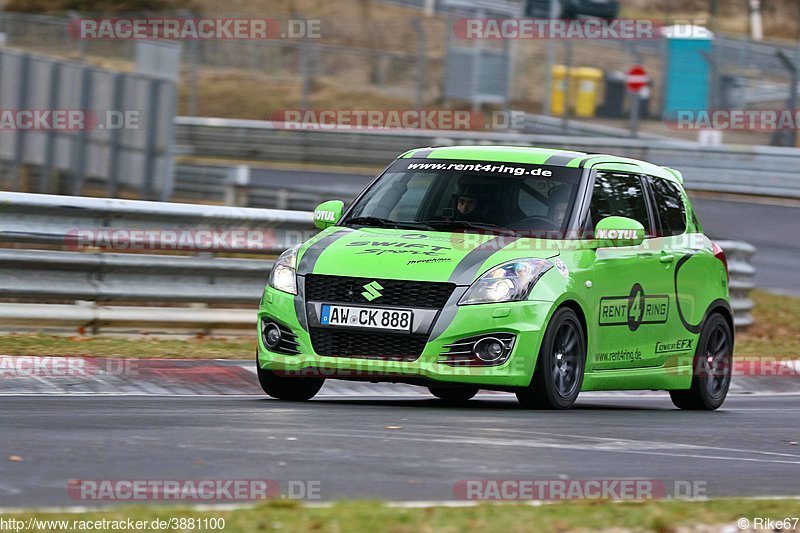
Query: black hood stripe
[[467, 268], [313, 252], [306, 266]]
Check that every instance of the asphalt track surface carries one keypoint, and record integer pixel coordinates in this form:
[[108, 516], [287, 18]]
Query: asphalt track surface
[[774, 229], [400, 448], [386, 442]]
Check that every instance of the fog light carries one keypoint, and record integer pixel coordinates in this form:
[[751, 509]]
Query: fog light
[[272, 335], [489, 349]]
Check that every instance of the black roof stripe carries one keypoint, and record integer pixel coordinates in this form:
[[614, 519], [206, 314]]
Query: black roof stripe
[[561, 158], [421, 154], [588, 158]]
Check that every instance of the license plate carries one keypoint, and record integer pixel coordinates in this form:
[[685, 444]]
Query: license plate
[[366, 317]]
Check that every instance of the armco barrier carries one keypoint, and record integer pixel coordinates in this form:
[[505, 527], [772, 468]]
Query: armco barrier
[[42, 281], [741, 272], [761, 170], [43, 269]]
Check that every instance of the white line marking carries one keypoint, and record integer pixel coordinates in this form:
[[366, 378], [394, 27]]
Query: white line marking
[[462, 439]]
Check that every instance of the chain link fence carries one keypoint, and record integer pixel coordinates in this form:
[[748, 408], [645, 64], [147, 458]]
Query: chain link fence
[[400, 61]]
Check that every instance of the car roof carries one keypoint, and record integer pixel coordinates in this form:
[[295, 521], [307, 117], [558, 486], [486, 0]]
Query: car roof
[[538, 156]]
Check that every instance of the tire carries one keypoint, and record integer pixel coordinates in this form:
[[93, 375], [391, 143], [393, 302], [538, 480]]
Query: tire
[[290, 389], [454, 395], [558, 376], [711, 369]]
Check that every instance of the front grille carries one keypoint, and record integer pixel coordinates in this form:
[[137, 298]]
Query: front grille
[[385, 346], [395, 292]]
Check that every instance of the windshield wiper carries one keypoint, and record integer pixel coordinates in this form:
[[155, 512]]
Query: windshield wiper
[[386, 223], [471, 225]]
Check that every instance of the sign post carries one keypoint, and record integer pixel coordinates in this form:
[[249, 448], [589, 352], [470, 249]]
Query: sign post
[[636, 80]]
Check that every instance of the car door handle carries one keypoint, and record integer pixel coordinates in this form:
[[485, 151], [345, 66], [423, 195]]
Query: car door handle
[[666, 258]]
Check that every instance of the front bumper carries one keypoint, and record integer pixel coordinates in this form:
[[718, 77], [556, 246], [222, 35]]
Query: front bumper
[[526, 320]]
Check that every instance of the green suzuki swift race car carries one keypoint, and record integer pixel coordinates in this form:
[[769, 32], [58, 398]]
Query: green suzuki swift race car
[[535, 271]]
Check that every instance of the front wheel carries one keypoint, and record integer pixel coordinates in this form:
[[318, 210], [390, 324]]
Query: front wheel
[[291, 389], [454, 395], [711, 370], [558, 376]]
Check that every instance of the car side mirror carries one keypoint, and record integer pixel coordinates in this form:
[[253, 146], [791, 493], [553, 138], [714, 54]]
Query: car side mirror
[[618, 231], [328, 213]]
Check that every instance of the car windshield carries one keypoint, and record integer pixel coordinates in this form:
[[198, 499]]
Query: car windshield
[[469, 196]]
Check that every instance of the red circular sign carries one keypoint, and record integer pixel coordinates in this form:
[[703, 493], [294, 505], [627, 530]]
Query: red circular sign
[[636, 78]]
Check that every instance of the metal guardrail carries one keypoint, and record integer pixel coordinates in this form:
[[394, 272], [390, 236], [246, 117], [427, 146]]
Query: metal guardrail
[[538, 124], [56, 220], [116, 149], [760, 170], [231, 185], [163, 254], [741, 273], [44, 279]]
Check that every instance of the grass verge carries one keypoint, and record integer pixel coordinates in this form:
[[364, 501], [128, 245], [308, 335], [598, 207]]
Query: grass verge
[[142, 346], [777, 326], [776, 332], [365, 516]]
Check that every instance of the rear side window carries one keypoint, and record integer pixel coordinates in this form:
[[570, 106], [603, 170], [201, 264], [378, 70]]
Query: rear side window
[[669, 206], [620, 195]]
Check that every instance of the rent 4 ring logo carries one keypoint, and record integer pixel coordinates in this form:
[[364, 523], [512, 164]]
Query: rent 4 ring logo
[[634, 310]]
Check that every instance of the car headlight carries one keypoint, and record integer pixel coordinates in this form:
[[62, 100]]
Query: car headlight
[[283, 275], [509, 282]]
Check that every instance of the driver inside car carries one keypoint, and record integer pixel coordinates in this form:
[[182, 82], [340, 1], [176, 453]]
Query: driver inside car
[[471, 203]]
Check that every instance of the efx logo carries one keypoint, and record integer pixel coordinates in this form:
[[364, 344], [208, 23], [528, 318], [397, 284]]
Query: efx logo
[[372, 290]]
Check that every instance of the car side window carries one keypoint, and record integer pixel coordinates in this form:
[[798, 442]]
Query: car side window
[[669, 206], [619, 195]]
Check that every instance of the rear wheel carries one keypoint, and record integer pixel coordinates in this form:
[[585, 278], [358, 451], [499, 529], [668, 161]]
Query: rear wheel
[[454, 395], [291, 389], [558, 376], [711, 370]]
